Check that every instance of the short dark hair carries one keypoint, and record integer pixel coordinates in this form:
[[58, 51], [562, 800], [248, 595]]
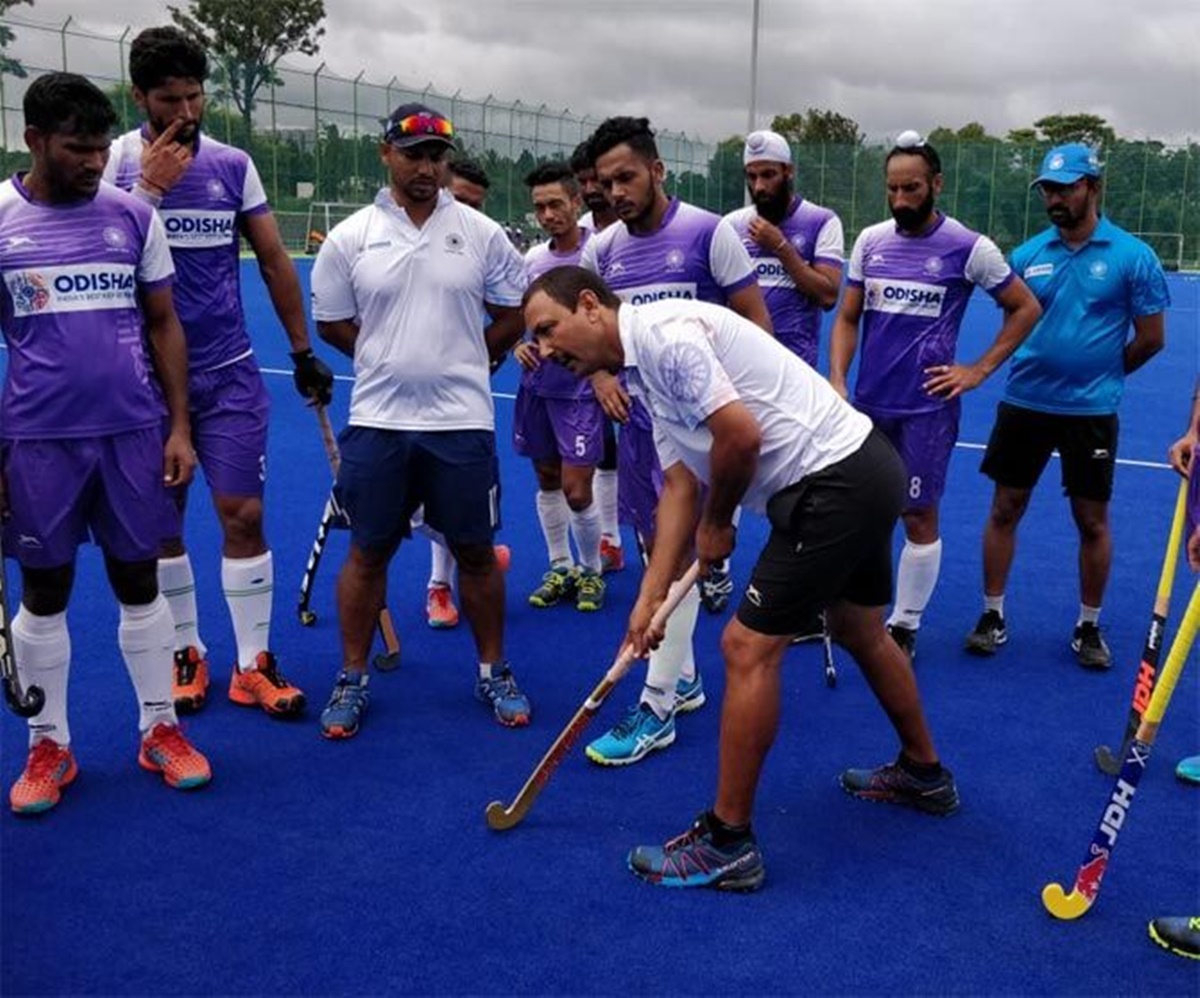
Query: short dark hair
[[553, 171], [68, 104], [565, 284], [470, 171], [581, 158], [923, 151], [157, 54], [633, 132]]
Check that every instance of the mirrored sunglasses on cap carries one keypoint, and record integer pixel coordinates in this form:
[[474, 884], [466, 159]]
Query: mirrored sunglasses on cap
[[419, 125]]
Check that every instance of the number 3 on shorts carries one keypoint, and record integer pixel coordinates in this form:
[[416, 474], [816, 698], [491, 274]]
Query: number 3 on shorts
[[914, 487]]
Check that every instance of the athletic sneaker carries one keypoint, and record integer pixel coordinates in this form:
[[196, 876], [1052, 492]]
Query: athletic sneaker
[[557, 584], [190, 685], [440, 610], [906, 638], [612, 556], [49, 768], [264, 686], [689, 695], [716, 589], [1188, 769], [1179, 935], [989, 634], [1089, 647], [589, 591], [635, 736], [695, 860], [894, 784], [166, 751], [347, 705], [509, 704]]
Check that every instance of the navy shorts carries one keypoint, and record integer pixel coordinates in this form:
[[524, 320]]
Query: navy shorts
[[831, 539], [386, 474]]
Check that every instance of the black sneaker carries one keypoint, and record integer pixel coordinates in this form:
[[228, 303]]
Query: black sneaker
[[989, 634], [894, 784], [1089, 647], [693, 859], [1179, 935], [905, 637], [716, 590]]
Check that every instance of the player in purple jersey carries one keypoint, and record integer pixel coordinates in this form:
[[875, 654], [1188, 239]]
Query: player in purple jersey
[[664, 248], [557, 422], [796, 246], [908, 284], [209, 196], [600, 216], [86, 311]]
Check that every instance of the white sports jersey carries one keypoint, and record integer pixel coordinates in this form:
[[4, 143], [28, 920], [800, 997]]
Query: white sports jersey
[[417, 295], [688, 359]]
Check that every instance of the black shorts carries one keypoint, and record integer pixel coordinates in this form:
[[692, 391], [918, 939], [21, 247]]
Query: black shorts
[[1022, 440], [831, 539]]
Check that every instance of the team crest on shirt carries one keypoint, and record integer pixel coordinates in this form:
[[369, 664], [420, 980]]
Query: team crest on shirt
[[114, 237], [29, 291], [1098, 269], [216, 189], [933, 266], [674, 261], [799, 241], [685, 371], [454, 242]]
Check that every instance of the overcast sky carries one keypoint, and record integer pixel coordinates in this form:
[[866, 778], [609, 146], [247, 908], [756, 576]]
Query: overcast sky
[[888, 64]]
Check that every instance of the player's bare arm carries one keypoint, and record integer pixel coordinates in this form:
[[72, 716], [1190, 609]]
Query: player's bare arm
[[818, 281], [1182, 450], [164, 161], [843, 340], [1021, 313], [749, 303], [733, 460], [527, 355], [168, 354], [341, 334], [1149, 337], [505, 330]]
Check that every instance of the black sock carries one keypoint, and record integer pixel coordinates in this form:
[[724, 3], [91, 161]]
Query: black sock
[[723, 834], [920, 770]]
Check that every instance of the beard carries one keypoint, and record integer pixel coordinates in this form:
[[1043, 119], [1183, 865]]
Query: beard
[[773, 207], [914, 219]]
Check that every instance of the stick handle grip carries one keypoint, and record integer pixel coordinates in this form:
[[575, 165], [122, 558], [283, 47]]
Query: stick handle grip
[[332, 454]]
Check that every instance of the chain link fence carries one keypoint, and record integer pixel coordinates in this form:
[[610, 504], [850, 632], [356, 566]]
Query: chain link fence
[[314, 137]]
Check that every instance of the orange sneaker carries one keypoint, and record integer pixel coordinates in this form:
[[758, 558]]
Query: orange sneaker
[[50, 767], [440, 608], [166, 751], [503, 556], [190, 685], [612, 556], [264, 686]]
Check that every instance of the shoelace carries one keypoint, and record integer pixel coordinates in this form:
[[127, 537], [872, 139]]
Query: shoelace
[[590, 585], [43, 761], [629, 723], [185, 666], [691, 836], [169, 741], [502, 687], [347, 692]]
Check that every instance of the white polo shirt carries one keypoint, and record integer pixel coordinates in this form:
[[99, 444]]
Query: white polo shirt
[[417, 295], [688, 359]]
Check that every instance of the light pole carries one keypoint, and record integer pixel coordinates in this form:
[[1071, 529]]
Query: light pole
[[753, 71]]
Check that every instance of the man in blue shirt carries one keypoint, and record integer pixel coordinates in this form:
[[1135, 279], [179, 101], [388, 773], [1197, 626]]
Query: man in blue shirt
[[1064, 386]]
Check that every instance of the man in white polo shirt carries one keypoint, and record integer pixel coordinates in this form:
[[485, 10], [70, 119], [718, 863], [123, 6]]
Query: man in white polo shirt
[[402, 286], [735, 411]]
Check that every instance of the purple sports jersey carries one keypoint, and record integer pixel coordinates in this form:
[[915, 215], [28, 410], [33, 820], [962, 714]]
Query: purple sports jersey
[[550, 380], [816, 234], [202, 215], [69, 309], [915, 292]]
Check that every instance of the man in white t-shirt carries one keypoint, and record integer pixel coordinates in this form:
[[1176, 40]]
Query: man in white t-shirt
[[738, 414], [403, 286]]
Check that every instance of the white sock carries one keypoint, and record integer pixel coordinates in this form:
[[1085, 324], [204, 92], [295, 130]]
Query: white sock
[[42, 649], [441, 563], [146, 636], [178, 586], [994, 603], [915, 580], [675, 657], [248, 585], [1088, 614], [555, 517], [585, 527], [604, 489]]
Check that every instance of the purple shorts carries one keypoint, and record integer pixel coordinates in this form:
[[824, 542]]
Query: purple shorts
[[639, 474], [229, 409], [924, 442], [60, 490], [570, 429]]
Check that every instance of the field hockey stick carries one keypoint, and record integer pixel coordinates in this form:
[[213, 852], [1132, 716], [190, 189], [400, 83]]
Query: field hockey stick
[[1082, 896], [827, 651], [501, 818], [23, 703], [1143, 685]]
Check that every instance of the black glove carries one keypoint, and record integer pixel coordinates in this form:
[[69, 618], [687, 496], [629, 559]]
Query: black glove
[[313, 378]]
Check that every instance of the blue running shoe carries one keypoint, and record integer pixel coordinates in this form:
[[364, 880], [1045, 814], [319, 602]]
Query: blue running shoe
[[894, 784], [637, 734], [1188, 769], [716, 589], [695, 860], [347, 706], [689, 696], [509, 704]]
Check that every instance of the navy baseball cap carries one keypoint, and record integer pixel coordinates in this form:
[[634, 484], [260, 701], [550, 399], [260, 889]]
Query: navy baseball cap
[[1068, 163], [412, 124]]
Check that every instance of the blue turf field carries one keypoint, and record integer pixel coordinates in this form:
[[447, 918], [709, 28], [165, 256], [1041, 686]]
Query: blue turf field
[[365, 867]]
